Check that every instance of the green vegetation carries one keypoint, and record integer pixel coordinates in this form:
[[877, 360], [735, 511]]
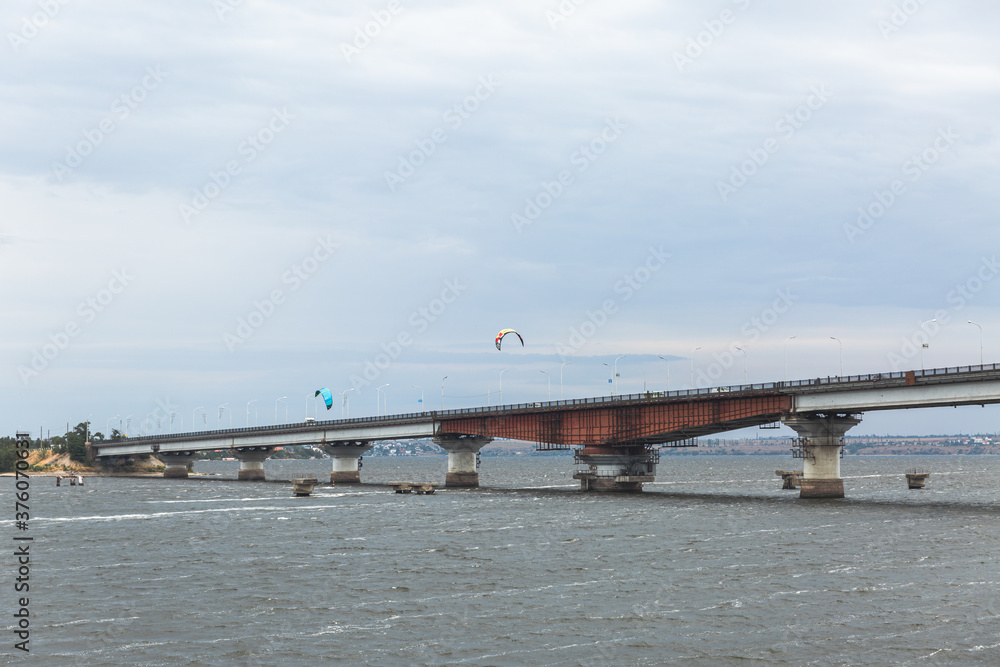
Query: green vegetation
[[72, 443], [8, 456], [75, 442]]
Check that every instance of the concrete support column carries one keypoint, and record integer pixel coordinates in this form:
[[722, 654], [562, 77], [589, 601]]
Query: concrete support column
[[462, 450], [623, 469], [176, 462], [252, 462], [346, 461], [821, 448]]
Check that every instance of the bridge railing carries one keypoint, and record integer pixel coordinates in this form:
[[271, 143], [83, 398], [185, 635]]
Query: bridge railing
[[435, 415], [290, 427], [732, 389]]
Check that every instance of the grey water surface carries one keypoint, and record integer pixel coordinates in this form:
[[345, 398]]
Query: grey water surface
[[711, 565]]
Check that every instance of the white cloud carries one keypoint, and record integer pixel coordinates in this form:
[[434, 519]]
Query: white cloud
[[324, 174]]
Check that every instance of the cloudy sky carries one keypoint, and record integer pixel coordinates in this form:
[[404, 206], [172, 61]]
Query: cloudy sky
[[213, 202]]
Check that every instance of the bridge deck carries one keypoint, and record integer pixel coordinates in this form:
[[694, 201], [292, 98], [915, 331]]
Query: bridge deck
[[647, 418]]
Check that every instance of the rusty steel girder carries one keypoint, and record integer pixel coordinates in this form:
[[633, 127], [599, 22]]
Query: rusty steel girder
[[627, 424]]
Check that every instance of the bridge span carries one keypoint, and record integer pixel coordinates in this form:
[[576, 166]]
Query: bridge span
[[617, 438]]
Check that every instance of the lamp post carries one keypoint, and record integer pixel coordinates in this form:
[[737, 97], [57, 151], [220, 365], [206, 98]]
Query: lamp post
[[667, 361], [561, 366], [616, 372], [378, 400], [172, 413], [343, 401], [786, 355], [204, 416], [128, 423], [421, 401], [285, 399], [500, 393], [746, 376], [980, 341], [924, 346], [692, 365], [841, 354], [219, 417], [550, 383], [107, 425], [254, 413], [442, 391]]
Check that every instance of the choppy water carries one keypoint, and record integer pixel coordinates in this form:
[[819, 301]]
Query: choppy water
[[713, 565]]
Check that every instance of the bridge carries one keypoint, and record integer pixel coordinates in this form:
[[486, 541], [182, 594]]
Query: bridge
[[617, 439]]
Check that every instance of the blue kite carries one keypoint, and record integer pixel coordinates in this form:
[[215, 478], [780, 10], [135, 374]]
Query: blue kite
[[327, 396]]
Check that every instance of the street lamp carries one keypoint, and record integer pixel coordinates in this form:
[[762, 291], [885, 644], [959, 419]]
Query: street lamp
[[285, 399], [343, 401], [746, 379], [500, 403], [692, 365], [204, 416], [550, 383], [219, 416], [841, 354], [421, 395], [786, 356], [668, 369], [924, 346], [128, 423], [174, 412], [442, 391], [378, 399], [107, 425], [980, 341], [561, 366], [616, 372], [254, 413]]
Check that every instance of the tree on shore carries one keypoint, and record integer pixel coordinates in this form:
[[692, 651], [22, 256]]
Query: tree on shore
[[8, 454], [76, 442]]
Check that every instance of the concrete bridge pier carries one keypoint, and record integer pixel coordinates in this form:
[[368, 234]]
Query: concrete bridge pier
[[346, 461], [252, 462], [821, 448], [462, 451], [176, 462], [622, 469]]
